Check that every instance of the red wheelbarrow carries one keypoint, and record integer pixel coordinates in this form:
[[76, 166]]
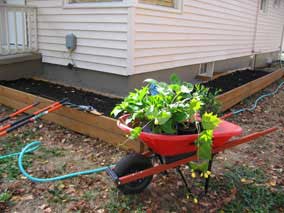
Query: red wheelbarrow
[[133, 173]]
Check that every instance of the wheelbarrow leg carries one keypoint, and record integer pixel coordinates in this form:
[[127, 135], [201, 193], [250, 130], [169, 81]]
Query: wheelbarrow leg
[[183, 179], [207, 180], [162, 162]]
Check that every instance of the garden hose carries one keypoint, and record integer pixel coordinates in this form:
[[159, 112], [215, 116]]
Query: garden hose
[[34, 146], [257, 100], [30, 150], [44, 180]]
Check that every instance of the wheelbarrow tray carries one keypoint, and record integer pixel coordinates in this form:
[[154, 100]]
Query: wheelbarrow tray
[[172, 145]]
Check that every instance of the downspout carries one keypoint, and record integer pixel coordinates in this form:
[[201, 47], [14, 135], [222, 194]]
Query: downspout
[[281, 47], [254, 36], [131, 37]]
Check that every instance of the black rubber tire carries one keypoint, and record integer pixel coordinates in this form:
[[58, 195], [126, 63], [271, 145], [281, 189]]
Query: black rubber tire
[[130, 164]]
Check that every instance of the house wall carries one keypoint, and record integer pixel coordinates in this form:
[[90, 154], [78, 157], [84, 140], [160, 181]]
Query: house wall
[[269, 29], [204, 31], [101, 36]]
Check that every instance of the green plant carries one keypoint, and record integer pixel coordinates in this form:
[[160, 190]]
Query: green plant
[[208, 98], [253, 192], [5, 196], [163, 107]]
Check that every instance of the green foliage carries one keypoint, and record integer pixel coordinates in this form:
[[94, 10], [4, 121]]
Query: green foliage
[[5, 196], [255, 195], [211, 104], [13, 143], [161, 107], [118, 202], [135, 133]]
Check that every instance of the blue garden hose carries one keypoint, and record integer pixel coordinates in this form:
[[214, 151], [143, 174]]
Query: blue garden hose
[[257, 100], [30, 150], [34, 146]]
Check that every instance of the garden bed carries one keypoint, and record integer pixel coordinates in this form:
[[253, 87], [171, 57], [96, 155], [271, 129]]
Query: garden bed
[[233, 80], [51, 91], [241, 175], [104, 104], [103, 127]]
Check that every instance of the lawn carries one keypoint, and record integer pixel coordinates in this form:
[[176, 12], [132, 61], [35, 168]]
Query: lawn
[[248, 178]]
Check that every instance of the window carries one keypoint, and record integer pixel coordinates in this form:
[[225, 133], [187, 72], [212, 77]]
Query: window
[[264, 6], [71, 4], [206, 69], [276, 3], [164, 3], [89, 1]]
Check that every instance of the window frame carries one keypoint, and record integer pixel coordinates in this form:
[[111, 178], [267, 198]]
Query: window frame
[[209, 69], [122, 3], [177, 9]]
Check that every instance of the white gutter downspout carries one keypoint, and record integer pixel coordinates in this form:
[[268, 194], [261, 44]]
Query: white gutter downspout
[[254, 36], [281, 47]]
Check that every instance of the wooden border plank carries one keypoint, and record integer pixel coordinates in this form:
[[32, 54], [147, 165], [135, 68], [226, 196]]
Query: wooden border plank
[[89, 124], [96, 120], [236, 95]]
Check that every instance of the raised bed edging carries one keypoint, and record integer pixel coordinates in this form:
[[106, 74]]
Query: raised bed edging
[[238, 94], [90, 124], [105, 128]]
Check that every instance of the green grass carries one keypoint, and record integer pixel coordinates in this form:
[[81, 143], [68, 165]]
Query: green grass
[[90, 195], [14, 143], [118, 202], [47, 152], [5, 196], [59, 195], [253, 194]]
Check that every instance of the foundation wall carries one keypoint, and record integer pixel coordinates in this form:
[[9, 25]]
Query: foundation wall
[[120, 85], [20, 66]]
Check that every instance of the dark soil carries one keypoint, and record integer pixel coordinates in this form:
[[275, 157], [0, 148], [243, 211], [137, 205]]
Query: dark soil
[[57, 92], [233, 80], [105, 104]]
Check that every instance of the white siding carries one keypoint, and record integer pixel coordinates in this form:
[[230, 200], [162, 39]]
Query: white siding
[[128, 40], [204, 31], [101, 35], [269, 29]]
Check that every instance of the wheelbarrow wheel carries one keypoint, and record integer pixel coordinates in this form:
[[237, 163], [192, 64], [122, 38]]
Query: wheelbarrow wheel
[[130, 164]]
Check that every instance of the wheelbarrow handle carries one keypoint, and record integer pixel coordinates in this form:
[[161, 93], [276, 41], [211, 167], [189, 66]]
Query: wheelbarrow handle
[[227, 115], [244, 139]]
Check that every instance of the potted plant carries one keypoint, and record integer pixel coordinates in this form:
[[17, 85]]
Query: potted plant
[[173, 109]]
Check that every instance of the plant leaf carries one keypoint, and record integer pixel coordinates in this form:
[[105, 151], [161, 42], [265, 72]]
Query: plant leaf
[[185, 89], [210, 121], [174, 79], [135, 133], [116, 111], [196, 166], [163, 117], [168, 127]]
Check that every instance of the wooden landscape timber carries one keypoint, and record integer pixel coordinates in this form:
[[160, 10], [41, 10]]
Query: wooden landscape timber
[[105, 128], [234, 96], [90, 124]]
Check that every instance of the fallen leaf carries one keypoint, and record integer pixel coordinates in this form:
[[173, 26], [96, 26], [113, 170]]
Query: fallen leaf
[[47, 210], [28, 197], [272, 182]]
